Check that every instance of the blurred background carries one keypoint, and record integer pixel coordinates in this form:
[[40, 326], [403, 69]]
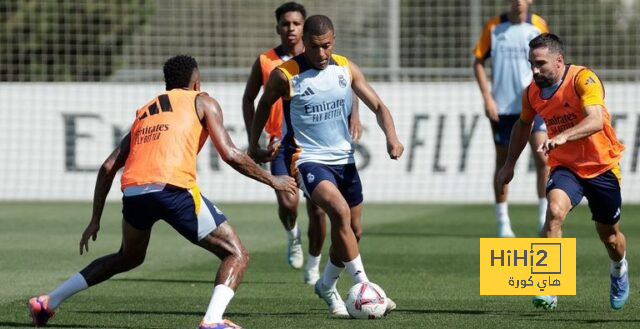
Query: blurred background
[[73, 73]]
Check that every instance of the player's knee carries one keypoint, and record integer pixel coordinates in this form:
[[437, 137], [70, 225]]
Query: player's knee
[[131, 260], [358, 233], [556, 213], [243, 257], [289, 207], [610, 240]]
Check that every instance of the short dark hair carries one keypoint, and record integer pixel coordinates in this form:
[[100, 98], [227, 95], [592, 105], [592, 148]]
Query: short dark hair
[[548, 40], [317, 25], [290, 6], [178, 70]]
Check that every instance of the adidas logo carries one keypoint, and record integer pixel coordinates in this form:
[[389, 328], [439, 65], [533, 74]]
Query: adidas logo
[[308, 92], [589, 81]]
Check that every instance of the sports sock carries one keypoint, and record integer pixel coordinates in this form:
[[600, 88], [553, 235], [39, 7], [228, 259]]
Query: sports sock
[[356, 269], [618, 269], [542, 212], [294, 233], [74, 284], [313, 262], [219, 300], [331, 274], [502, 214]]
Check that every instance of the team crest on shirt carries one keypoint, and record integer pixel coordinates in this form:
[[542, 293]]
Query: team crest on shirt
[[342, 81], [310, 178]]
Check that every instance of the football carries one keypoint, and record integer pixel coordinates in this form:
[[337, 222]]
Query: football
[[366, 300]]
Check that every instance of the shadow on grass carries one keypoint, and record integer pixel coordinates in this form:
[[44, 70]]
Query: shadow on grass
[[426, 234], [199, 313], [53, 325], [193, 281]]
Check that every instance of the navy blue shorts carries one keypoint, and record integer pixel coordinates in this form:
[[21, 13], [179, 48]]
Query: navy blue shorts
[[281, 164], [602, 192], [502, 129], [187, 211], [344, 177]]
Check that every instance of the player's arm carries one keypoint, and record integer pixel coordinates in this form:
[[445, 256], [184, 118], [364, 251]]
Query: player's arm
[[383, 116], [490, 107], [591, 93], [251, 91], [481, 53], [106, 174], [277, 87], [210, 112], [519, 138], [355, 125]]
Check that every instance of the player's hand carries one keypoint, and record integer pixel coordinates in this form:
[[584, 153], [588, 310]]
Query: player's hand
[[491, 109], [395, 149], [504, 176], [285, 183], [551, 144], [355, 129], [260, 155], [91, 231]]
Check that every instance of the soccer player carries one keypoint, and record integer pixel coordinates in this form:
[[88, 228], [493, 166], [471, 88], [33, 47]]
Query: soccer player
[[159, 182], [583, 151], [505, 40], [290, 19], [316, 88]]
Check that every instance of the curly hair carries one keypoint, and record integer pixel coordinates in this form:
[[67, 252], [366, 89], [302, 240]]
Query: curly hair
[[177, 71], [290, 6]]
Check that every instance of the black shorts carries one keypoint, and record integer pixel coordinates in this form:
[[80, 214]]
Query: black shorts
[[602, 192]]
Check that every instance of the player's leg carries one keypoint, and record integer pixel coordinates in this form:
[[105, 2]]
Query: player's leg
[[288, 209], [131, 254], [605, 202], [316, 234], [202, 223], [564, 192], [538, 136], [501, 135], [319, 182]]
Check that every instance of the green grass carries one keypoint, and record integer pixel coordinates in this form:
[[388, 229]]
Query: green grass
[[424, 256]]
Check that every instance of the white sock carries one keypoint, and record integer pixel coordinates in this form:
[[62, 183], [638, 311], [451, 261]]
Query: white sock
[[618, 269], [74, 284], [542, 212], [502, 214], [219, 300], [356, 269], [331, 274], [313, 262], [294, 233]]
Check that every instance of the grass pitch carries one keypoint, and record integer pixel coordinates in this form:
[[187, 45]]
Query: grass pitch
[[424, 256]]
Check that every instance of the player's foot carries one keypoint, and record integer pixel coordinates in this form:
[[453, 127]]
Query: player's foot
[[311, 276], [391, 305], [504, 231], [333, 300], [225, 324], [547, 302], [39, 310], [295, 255], [619, 291]]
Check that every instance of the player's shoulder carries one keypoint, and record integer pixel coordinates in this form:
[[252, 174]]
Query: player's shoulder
[[539, 22], [495, 20], [340, 60]]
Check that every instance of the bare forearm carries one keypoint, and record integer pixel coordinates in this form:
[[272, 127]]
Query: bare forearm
[[385, 121], [587, 127], [248, 112], [258, 122], [481, 78], [103, 185], [243, 164]]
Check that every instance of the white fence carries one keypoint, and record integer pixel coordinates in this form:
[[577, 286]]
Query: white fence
[[55, 136]]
